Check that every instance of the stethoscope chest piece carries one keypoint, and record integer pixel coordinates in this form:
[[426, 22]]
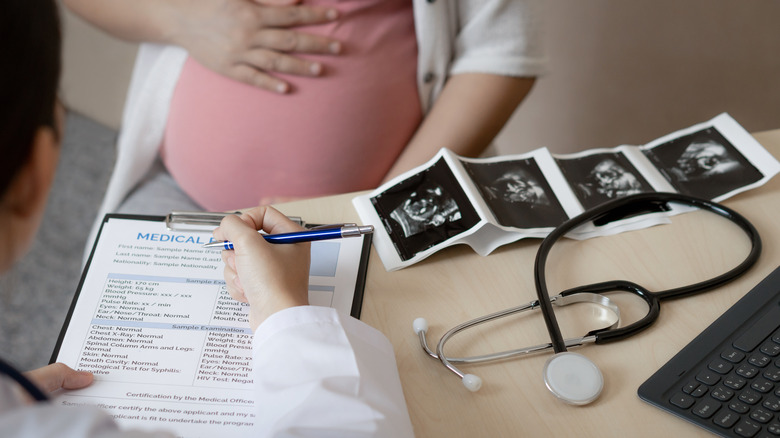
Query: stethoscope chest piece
[[573, 378]]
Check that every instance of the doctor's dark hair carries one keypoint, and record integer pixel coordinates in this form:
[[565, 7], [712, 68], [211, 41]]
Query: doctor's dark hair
[[30, 42]]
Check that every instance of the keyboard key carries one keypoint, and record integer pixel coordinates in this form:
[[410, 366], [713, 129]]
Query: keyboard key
[[770, 348], [708, 377], [725, 419], [722, 394], [761, 415], [750, 397], [772, 403], [700, 391], [706, 408], [732, 355], [681, 400], [734, 381], [690, 387], [762, 385], [747, 428], [774, 428], [772, 374], [721, 366], [746, 370], [739, 407], [759, 360], [768, 323]]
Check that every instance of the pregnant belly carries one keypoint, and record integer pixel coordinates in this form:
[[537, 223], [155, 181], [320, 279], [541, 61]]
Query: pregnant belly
[[230, 145]]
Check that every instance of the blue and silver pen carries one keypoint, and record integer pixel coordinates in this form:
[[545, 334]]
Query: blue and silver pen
[[304, 236]]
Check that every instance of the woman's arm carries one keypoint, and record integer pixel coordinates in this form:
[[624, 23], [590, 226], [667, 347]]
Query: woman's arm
[[469, 113], [241, 39], [484, 56]]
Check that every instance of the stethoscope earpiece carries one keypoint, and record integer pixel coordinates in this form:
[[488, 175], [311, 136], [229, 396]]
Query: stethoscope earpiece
[[420, 325], [472, 382], [573, 378]]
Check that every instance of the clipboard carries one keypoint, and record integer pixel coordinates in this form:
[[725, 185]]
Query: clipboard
[[152, 320], [197, 226]]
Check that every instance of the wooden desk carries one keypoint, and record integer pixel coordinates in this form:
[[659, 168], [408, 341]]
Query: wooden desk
[[456, 284]]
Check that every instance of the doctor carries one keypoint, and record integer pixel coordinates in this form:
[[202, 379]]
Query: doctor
[[317, 373]]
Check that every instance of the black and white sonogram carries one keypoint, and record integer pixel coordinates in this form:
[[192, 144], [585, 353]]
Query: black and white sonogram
[[703, 164], [424, 210], [599, 178], [517, 193]]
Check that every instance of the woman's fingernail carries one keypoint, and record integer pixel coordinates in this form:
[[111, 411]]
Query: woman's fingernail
[[281, 88], [335, 47], [315, 68], [331, 14]]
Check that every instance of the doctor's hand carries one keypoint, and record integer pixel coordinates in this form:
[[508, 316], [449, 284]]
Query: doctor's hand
[[270, 277], [250, 40], [59, 376]]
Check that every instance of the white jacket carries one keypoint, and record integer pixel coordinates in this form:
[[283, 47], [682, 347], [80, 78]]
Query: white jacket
[[316, 373], [500, 37]]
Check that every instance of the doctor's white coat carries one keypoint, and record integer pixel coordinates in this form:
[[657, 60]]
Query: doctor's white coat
[[317, 374]]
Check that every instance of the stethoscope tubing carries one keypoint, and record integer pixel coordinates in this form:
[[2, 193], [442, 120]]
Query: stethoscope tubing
[[556, 338]]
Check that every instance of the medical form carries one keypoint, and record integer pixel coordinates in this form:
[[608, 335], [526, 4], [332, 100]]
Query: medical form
[[169, 348]]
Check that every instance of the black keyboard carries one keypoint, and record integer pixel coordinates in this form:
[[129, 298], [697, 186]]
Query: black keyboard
[[727, 380]]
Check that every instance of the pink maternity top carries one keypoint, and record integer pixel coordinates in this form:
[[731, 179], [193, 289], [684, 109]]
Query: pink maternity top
[[231, 145]]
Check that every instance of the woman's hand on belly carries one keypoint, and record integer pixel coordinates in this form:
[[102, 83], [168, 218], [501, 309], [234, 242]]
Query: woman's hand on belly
[[249, 40]]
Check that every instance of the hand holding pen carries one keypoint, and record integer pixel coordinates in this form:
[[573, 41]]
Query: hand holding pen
[[268, 277]]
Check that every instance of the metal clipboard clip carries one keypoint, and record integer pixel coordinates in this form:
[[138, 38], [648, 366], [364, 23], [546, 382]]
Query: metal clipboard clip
[[203, 220]]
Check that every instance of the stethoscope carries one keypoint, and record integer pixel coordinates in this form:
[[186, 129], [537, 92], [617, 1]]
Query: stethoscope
[[21, 380], [573, 377]]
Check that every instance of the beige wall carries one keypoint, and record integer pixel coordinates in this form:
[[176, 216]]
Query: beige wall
[[629, 71], [621, 71]]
